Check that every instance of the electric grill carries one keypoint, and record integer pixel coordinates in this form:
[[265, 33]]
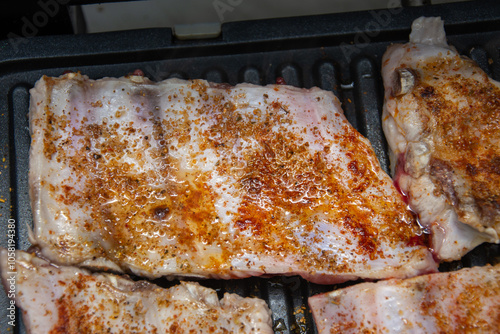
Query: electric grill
[[336, 52]]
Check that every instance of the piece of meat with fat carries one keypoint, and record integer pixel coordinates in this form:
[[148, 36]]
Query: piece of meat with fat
[[61, 299], [441, 119], [464, 301], [188, 178]]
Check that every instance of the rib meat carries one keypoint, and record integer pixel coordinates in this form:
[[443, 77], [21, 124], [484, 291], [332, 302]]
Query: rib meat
[[465, 301], [64, 299], [442, 121], [188, 178]]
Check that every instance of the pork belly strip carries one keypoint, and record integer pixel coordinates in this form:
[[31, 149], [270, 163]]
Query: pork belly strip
[[63, 299], [188, 178], [442, 122], [465, 301]]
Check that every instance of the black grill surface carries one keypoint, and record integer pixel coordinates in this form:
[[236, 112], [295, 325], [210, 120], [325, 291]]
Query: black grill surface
[[338, 52]]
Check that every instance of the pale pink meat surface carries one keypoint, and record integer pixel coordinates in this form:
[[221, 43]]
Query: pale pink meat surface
[[62, 299], [464, 301], [192, 179], [441, 119]]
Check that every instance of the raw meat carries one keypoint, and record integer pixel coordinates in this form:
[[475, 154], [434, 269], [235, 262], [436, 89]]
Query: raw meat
[[64, 299], [188, 178], [442, 121], [464, 301]]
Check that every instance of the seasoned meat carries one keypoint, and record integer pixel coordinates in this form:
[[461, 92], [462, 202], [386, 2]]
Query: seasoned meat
[[442, 121], [188, 178], [464, 301], [62, 299]]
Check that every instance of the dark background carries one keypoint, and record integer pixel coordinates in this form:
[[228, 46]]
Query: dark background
[[12, 13]]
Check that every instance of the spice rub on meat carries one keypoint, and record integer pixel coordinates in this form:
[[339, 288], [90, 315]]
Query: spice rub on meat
[[442, 122], [63, 299], [464, 301], [190, 178]]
